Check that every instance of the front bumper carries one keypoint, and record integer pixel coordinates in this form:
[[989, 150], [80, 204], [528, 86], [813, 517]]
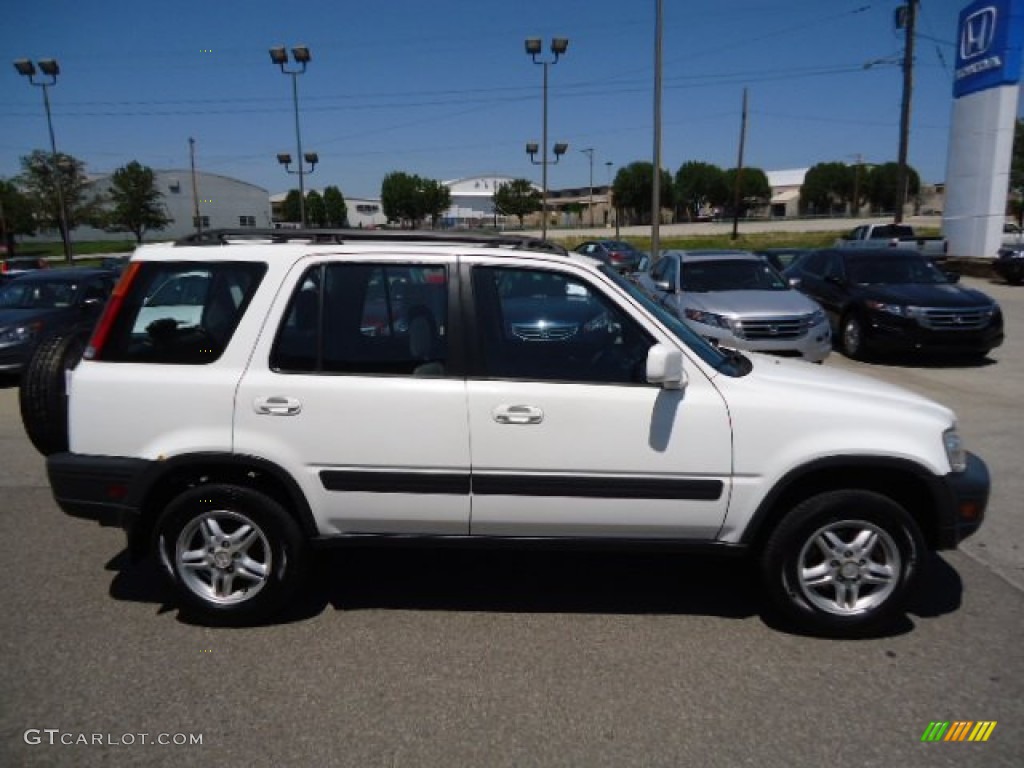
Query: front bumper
[[885, 332], [963, 497]]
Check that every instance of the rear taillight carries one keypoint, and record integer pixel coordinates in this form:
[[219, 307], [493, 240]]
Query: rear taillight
[[110, 312], [617, 257]]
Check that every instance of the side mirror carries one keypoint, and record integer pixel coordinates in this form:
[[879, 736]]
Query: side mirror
[[665, 367], [663, 285], [795, 282]]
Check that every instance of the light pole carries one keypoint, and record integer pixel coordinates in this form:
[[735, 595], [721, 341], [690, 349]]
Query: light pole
[[589, 152], [50, 68], [559, 45], [279, 56], [285, 159]]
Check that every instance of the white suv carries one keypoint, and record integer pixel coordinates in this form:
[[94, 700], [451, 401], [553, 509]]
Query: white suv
[[388, 387]]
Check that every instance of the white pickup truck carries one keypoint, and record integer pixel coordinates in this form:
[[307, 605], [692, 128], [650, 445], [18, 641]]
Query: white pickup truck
[[893, 236]]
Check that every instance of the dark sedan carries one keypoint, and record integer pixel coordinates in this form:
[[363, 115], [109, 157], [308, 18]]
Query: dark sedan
[[36, 305], [893, 299], [1009, 264], [617, 254]]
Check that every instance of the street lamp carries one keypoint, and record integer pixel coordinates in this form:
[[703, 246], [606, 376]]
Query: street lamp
[[285, 159], [50, 68], [279, 56], [559, 45]]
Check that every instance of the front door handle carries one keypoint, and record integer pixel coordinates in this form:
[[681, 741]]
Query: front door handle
[[275, 405], [518, 414]]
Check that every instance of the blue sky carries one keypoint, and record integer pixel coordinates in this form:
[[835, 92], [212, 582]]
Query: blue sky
[[444, 88]]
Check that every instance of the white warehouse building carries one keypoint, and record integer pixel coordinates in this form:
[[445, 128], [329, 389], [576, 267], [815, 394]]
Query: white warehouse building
[[472, 201], [224, 203]]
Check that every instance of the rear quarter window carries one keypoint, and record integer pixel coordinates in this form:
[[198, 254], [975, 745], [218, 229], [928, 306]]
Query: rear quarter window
[[181, 312]]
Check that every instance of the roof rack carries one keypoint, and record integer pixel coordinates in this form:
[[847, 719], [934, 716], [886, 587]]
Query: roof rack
[[338, 236]]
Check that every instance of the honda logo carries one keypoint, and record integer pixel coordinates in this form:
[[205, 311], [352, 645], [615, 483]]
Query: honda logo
[[977, 34]]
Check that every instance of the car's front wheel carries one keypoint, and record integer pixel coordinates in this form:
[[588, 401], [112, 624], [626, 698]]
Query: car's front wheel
[[842, 562], [852, 336], [231, 553]]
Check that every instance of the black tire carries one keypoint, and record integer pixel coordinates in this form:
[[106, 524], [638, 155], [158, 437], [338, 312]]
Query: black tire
[[875, 552], [42, 394], [252, 541], [851, 336]]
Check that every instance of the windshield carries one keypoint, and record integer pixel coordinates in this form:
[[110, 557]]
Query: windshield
[[729, 364], [730, 275], [37, 294], [894, 270]]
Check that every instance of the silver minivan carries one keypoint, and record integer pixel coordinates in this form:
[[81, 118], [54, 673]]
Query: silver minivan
[[737, 299]]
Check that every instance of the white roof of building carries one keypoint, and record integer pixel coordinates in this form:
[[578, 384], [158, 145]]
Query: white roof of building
[[477, 186], [790, 178]]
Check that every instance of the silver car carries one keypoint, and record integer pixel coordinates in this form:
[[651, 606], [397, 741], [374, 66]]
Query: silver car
[[736, 299]]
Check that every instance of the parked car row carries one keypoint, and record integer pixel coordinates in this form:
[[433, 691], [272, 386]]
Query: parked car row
[[801, 303]]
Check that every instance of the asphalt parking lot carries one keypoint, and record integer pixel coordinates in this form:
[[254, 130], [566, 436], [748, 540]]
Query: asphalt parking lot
[[421, 658]]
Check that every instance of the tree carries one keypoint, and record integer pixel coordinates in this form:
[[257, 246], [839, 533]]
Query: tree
[[517, 198], [291, 208], [437, 198], [336, 209], [754, 188], [316, 211], [37, 182], [407, 198], [400, 199], [700, 186], [881, 182], [826, 187], [136, 201], [633, 194], [15, 216]]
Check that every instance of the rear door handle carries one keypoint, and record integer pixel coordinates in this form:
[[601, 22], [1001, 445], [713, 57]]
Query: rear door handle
[[275, 405], [518, 414]]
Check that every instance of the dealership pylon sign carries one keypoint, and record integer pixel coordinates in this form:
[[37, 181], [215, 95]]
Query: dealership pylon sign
[[986, 90]]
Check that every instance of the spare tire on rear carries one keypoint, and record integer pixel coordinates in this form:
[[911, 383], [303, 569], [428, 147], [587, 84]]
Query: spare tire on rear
[[43, 390]]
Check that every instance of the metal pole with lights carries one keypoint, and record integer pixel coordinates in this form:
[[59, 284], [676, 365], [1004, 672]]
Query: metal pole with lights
[[285, 159], [559, 45], [279, 56], [50, 68]]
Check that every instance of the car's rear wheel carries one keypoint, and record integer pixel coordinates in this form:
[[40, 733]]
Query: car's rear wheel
[[42, 394], [231, 553], [842, 562]]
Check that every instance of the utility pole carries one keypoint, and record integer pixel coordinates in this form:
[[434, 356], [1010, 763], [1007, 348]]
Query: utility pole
[[856, 185], [656, 183], [739, 171], [197, 221], [589, 152], [907, 15]]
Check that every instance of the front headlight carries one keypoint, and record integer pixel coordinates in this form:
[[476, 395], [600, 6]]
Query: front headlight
[[708, 318], [18, 334], [817, 318], [955, 452], [890, 309]]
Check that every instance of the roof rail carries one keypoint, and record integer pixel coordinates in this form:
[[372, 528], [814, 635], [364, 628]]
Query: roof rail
[[338, 236]]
